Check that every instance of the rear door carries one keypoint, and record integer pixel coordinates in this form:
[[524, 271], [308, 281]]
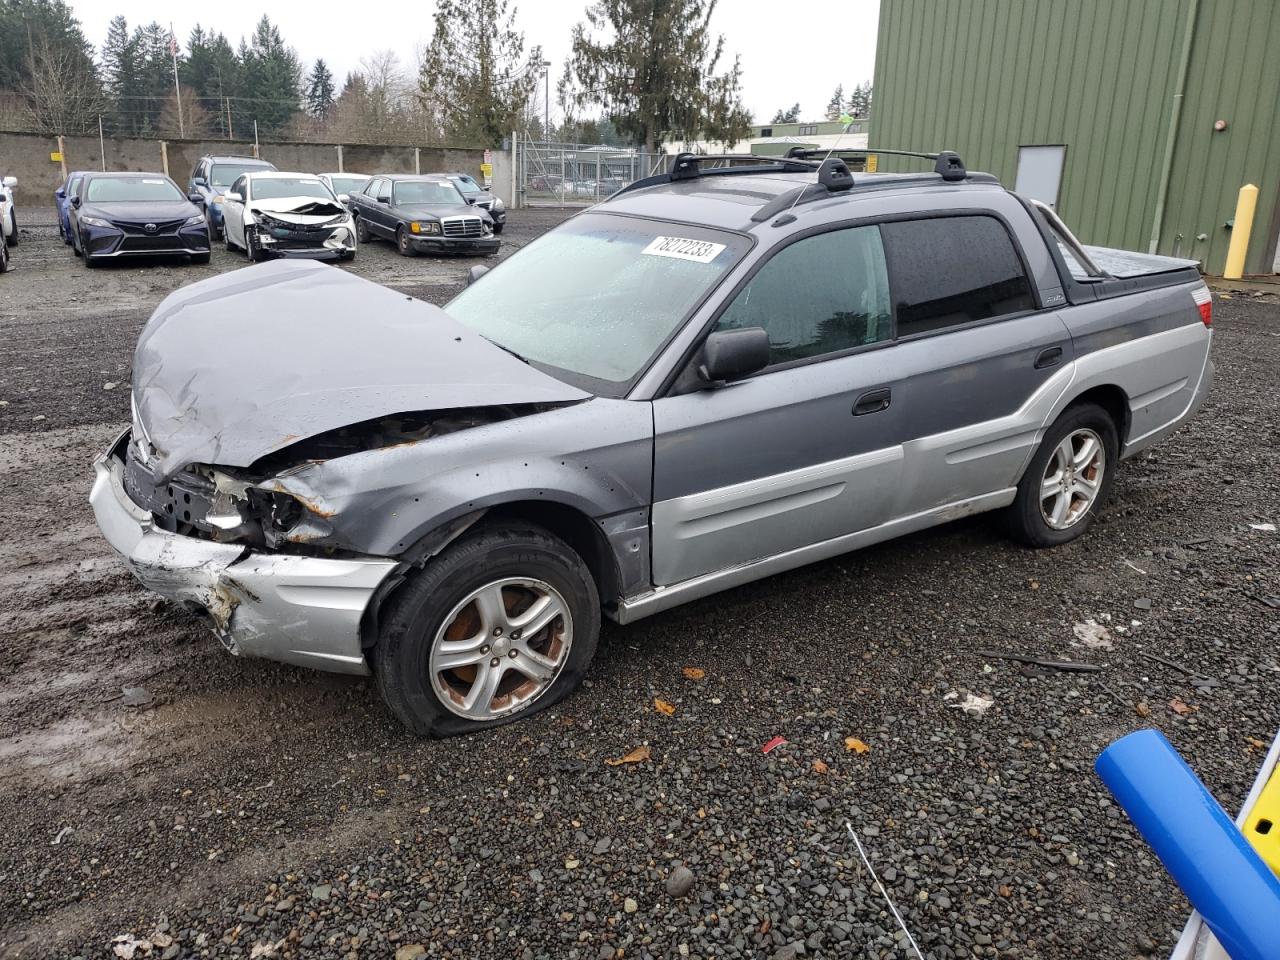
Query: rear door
[[233, 210], [804, 451], [982, 360], [380, 207]]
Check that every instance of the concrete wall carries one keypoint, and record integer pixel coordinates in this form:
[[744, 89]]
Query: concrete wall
[[26, 156]]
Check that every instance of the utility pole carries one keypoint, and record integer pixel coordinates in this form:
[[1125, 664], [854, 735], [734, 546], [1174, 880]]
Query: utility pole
[[546, 104], [102, 145], [177, 91]]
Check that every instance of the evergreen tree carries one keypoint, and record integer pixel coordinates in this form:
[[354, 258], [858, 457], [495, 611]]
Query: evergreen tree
[[860, 100], [270, 74], [835, 106], [652, 66], [319, 93], [154, 78], [788, 116], [30, 29], [475, 77]]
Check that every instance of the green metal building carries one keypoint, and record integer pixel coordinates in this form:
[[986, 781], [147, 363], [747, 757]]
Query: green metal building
[[1139, 119]]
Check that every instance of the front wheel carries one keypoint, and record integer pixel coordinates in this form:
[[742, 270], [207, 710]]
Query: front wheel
[[251, 248], [404, 244], [1068, 479], [362, 231], [501, 624], [497, 228], [12, 239]]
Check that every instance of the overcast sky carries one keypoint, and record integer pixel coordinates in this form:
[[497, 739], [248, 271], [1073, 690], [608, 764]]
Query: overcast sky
[[789, 53]]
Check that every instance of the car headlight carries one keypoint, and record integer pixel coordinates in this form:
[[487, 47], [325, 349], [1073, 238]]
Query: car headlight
[[424, 226], [198, 219], [498, 205], [95, 222]]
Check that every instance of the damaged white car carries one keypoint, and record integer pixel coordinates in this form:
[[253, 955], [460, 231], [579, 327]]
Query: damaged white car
[[270, 213]]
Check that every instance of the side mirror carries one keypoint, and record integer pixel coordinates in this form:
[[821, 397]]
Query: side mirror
[[731, 354], [60, 194], [475, 273], [196, 197], [385, 198], [233, 197], [199, 182], [10, 182], [75, 202], [344, 198]]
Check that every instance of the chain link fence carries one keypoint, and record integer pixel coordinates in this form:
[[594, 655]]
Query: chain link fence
[[554, 174]]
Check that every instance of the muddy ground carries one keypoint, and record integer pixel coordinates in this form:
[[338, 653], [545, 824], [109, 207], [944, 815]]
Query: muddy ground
[[241, 808]]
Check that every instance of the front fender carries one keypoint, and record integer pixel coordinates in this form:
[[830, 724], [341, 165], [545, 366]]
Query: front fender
[[595, 457]]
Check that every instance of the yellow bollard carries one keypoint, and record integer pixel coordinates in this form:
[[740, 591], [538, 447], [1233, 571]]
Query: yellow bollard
[[1240, 230]]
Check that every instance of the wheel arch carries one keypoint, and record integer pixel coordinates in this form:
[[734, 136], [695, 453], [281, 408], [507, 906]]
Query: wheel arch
[[1114, 401], [583, 535]]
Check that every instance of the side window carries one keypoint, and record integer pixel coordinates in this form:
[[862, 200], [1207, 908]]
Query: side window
[[949, 271], [73, 188], [374, 186], [819, 295]]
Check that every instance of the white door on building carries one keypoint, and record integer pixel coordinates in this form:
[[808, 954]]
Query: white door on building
[[1040, 172]]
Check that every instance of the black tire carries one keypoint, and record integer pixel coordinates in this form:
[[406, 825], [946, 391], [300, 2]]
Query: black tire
[[251, 248], [4, 258], [497, 228], [200, 258], [415, 613], [90, 262], [12, 239], [214, 232], [1024, 518], [362, 231], [403, 244]]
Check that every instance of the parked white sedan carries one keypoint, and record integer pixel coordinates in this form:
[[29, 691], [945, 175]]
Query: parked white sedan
[[8, 216], [287, 215]]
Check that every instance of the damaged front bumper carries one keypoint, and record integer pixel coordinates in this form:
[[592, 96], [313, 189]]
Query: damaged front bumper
[[295, 609]]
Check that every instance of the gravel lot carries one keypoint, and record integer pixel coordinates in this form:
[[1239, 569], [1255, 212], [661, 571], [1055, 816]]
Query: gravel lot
[[247, 809]]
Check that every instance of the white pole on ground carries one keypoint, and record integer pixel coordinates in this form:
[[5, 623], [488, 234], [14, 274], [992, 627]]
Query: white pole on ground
[[340, 167], [102, 145], [417, 161], [255, 138]]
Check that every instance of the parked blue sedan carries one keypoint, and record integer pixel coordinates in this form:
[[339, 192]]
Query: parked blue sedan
[[62, 200]]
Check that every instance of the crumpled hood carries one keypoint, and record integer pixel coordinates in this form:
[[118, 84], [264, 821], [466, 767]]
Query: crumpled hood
[[302, 209], [235, 367]]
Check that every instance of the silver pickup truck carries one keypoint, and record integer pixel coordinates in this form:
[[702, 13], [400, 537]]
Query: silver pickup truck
[[723, 372]]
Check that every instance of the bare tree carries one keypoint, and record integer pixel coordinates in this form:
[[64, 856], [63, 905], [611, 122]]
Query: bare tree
[[62, 92]]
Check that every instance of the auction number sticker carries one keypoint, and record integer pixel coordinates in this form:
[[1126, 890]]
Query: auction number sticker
[[682, 248]]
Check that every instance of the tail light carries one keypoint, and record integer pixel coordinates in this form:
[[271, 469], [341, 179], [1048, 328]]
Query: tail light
[[1204, 301]]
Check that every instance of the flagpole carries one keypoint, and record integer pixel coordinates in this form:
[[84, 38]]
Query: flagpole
[[177, 91]]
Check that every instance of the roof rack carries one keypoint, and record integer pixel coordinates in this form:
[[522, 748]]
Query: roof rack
[[688, 166], [947, 163]]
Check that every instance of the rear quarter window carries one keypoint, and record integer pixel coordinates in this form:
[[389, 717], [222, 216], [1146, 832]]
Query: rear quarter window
[[949, 271]]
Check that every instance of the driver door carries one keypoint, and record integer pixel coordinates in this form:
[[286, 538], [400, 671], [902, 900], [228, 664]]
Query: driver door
[[233, 211], [808, 449]]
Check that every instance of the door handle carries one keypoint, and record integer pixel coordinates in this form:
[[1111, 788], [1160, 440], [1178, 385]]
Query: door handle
[[873, 401], [1049, 357]]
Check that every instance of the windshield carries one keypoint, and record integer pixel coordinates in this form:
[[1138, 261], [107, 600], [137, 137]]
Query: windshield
[[348, 184], [132, 189], [427, 191], [598, 296], [274, 188], [466, 185], [224, 174]]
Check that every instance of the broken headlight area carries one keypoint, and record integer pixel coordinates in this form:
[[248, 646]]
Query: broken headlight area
[[203, 501]]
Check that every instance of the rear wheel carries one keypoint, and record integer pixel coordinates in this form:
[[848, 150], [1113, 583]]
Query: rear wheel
[[501, 624], [362, 231], [1068, 480], [12, 239], [403, 243]]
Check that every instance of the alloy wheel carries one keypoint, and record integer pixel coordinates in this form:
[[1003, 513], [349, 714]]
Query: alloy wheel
[[500, 648], [1072, 478]]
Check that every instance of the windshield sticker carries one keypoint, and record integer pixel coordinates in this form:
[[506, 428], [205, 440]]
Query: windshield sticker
[[699, 251]]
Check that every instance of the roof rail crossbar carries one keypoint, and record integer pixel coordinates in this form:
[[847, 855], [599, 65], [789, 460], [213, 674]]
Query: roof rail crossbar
[[947, 163], [688, 166]]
